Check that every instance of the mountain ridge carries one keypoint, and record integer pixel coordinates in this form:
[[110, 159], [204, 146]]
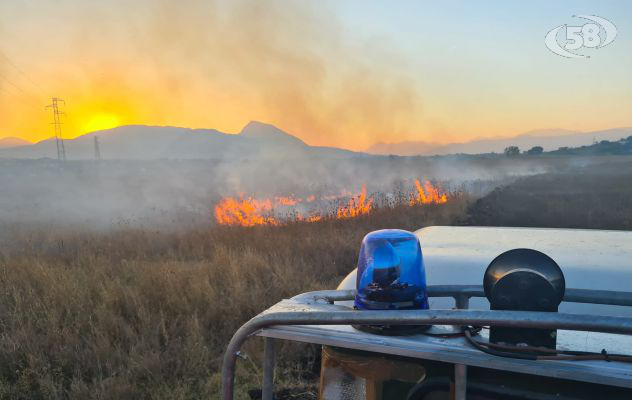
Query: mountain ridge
[[549, 139], [144, 142], [261, 140], [10, 142]]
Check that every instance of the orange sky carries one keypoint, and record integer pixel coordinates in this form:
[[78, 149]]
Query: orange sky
[[319, 70]]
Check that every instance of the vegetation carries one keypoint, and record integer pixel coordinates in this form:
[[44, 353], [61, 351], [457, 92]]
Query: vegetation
[[604, 147], [146, 314], [535, 150], [593, 197], [512, 151]]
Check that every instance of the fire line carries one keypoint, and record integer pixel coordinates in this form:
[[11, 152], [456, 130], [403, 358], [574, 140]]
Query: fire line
[[250, 211]]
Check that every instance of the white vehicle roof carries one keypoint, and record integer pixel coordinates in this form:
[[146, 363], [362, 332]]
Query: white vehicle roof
[[589, 259]]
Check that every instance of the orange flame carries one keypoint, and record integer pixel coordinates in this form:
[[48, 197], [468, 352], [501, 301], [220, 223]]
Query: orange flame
[[428, 194], [250, 211], [358, 205], [244, 212]]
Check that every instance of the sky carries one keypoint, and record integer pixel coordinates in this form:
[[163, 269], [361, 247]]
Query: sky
[[345, 73]]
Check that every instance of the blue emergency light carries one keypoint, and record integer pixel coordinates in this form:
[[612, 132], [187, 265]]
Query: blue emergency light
[[391, 274]]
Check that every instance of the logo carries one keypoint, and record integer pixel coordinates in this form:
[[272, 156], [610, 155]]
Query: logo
[[592, 35]]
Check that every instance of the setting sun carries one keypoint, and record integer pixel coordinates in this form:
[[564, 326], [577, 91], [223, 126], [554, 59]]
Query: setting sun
[[100, 121]]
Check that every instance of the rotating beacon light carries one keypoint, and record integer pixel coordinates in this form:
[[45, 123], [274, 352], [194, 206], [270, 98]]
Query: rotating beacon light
[[391, 276]]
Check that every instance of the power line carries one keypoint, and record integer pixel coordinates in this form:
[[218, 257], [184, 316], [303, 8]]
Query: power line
[[21, 71], [30, 97], [19, 89], [35, 98], [59, 140]]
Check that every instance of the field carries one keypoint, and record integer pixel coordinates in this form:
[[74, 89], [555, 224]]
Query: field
[[133, 312], [595, 197], [140, 314]]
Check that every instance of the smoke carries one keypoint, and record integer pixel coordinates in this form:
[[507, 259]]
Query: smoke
[[291, 61], [212, 64], [182, 193], [220, 64]]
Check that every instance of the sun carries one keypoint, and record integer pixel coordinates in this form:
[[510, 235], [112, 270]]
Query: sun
[[100, 121]]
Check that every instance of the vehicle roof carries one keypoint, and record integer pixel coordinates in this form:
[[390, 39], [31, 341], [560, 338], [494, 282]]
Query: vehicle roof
[[589, 259]]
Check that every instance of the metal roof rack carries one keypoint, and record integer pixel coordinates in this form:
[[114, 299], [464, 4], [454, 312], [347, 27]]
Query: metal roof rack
[[315, 318]]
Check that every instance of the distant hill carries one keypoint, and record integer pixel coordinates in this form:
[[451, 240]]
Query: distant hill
[[10, 142], [604, 147], [550, 139], [141, 142]]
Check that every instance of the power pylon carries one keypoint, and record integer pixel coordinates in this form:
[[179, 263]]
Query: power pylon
[[59, 140], [97, 149]]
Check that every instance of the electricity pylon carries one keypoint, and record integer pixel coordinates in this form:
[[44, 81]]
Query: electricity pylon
[[59, 140], [97, 149]]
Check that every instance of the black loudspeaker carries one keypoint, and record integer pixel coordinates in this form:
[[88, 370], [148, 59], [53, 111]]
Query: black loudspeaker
[[524, 280]]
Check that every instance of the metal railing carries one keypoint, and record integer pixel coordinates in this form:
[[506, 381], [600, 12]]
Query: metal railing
[[318, 308]]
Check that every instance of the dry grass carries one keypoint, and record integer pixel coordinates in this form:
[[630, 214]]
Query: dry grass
[[591, 198], [141, 314]]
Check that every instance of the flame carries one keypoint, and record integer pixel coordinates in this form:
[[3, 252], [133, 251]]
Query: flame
[[428, 194], [358, 205], [288, 201], [249, 211], [244, 212]]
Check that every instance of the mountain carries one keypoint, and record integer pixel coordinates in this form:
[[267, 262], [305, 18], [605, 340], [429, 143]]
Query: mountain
[[10, 142], [141, 142], [550, 139], [269, 133], [258, 140]]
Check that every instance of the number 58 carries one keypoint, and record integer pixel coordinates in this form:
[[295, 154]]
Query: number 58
[[587, 36]]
